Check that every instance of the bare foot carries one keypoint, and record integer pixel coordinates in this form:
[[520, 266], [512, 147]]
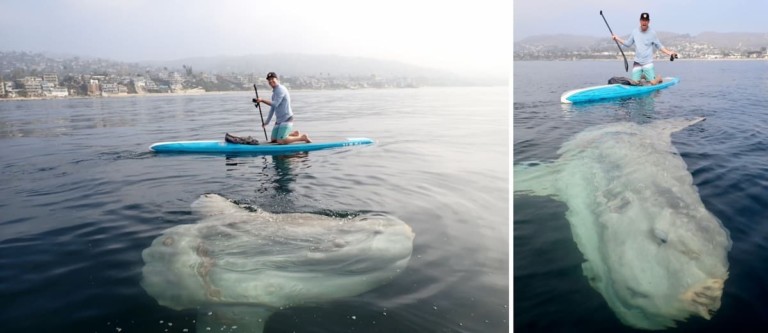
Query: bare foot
[[306, 138], [657, 80]]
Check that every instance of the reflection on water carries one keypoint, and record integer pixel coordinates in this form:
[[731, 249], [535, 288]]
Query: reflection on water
[[277, 172], [636, 109], [284, 166]]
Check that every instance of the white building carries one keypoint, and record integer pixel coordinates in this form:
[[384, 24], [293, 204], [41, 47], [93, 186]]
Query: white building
[[8, 89], [56, 92], [139, 85], [52, 78], [151, 86], [108, 89], [32, 86], [51, 89], [175, 81]]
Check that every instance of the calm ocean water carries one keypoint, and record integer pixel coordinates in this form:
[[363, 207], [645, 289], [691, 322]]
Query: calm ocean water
[[726, 155], [81, 197]]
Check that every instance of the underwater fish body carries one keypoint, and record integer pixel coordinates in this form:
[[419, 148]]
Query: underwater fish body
[[238, 265], [651, 248]]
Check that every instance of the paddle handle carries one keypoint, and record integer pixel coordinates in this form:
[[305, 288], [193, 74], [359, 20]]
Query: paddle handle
[[626, 64], [260, 114]]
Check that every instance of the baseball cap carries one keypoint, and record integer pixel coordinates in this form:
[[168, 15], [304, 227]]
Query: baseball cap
[[645, 17], [271, 75]]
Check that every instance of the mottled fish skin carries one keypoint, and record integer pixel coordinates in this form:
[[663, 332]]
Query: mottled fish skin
[[652, 249], [243, 263]]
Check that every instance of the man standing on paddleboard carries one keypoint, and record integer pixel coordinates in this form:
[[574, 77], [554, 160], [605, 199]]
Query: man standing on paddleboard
[[280, 107], [645, 42]]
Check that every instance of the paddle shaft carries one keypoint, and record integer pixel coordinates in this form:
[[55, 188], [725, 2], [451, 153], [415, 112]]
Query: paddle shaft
[[260, 114], [626, 64]]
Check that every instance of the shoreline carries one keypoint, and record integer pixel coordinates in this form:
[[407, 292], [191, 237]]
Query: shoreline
[[200, 93], [113, 96]]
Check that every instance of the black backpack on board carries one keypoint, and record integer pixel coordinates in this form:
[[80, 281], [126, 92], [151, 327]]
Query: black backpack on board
[[247, 140]]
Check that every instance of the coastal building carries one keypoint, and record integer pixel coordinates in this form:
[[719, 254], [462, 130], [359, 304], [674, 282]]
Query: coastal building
[[108, 89], [93, 87], [60, 92], [32, 86], [210, 78], [139, 85], [53, 90], [151, 86], [175, 81], [9, 89], [52, 78], [100, 78], [47, 88], [2, 88]]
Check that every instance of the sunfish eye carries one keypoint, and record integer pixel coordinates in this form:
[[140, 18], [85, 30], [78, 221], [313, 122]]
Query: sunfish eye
[[661, 235]]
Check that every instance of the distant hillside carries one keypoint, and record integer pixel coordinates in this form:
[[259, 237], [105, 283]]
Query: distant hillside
[[259, 64], [302, 64], [734, 39], [327, 65], [564, 41], [731, 40], [704, 45]]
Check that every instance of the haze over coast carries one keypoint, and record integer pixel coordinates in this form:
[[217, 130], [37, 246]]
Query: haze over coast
[[708, 45], [444, 36]]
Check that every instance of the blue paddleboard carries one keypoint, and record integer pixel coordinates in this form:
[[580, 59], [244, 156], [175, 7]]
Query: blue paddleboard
[[612, 91], [221, 147]]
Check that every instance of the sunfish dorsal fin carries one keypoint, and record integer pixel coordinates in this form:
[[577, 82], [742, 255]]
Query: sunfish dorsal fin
[[535, 178], [210, 204], [669, 126]]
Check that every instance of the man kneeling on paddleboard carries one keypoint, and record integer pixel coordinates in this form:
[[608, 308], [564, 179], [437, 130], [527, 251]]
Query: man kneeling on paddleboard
[[645, 40], [280, 107]]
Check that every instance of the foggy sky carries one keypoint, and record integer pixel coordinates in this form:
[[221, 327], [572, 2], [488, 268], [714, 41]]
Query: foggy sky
[[458, 36], [536, 17]]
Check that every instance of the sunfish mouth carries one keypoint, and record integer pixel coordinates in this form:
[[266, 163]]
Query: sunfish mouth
[[703, 299]]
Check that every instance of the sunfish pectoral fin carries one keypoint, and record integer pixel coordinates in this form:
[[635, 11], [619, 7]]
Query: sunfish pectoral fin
[[535, 178], [232, 317], [669, 126]]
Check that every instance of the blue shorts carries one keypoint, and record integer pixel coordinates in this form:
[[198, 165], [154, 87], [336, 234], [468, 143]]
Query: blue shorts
[[281, 131], [647, 70]]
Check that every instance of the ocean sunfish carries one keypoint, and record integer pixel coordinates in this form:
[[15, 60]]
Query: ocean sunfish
[[237, 266], [652, 249]]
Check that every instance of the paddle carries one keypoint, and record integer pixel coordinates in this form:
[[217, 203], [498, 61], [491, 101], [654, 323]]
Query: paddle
[[626, 64], [260, 114]]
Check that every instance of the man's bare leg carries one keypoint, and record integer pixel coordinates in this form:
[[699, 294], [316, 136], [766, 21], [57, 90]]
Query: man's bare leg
[[292, 139]]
